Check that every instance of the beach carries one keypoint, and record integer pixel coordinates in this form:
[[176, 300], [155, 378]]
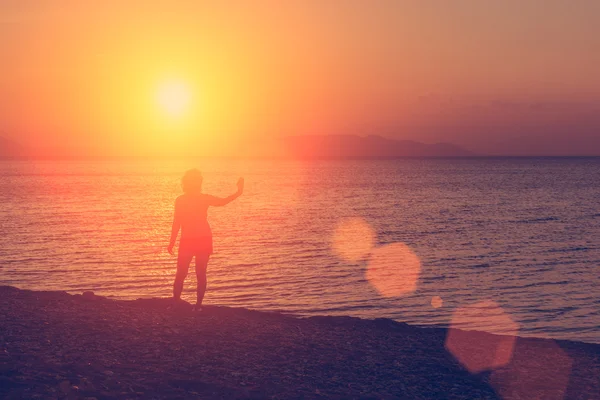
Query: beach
[[58, 345]]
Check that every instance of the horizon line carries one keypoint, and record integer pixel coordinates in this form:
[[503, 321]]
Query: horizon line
[[275, 157]]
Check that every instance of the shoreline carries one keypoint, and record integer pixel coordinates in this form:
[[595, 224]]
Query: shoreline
[[58, 345]]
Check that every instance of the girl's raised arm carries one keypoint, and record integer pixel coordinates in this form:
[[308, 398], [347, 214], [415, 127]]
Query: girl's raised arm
[[222, 201]]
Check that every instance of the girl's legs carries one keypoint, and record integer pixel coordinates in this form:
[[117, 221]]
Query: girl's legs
[[183, 264], [201, 264]]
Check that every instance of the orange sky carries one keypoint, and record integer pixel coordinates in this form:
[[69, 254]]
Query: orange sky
[[82, 77]]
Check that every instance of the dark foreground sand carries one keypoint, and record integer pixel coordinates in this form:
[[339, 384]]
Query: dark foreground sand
[[56, 345]]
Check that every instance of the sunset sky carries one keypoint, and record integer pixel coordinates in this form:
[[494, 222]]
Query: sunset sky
[[208, 77]]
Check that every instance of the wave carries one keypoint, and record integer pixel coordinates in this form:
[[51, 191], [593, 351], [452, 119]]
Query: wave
[[536, 220], [568, 250], [536, 284]]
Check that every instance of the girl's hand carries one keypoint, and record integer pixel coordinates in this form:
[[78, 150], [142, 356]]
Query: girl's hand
[[240, 185], [170, 249]]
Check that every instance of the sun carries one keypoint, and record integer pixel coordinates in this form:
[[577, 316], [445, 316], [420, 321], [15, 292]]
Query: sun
[[173, 97]]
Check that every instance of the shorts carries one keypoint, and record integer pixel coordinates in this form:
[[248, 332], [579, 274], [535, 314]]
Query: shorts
[[196, 246]]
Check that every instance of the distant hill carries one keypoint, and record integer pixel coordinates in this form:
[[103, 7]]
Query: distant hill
[[350, 146], [10, 148]]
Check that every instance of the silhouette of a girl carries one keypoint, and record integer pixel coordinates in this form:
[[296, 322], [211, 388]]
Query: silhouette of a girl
[[196, 237]]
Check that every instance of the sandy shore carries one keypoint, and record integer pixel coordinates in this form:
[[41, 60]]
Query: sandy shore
[[56, 345]]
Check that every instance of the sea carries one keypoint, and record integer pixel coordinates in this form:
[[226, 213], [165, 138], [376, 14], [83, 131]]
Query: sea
[[505, 245]]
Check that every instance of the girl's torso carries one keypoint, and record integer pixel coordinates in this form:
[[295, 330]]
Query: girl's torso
[[192, 210]]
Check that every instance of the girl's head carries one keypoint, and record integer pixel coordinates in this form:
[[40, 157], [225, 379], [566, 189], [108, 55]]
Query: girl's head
[[192, 181]]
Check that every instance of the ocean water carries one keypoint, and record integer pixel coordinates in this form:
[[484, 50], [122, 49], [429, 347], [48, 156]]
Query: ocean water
[[507, 245]]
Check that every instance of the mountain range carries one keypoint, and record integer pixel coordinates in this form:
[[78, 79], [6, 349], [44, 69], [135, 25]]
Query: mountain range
[[317, 146], [351, 146], [10, 148]]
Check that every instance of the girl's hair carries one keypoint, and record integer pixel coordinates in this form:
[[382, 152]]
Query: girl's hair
[[192, 181]]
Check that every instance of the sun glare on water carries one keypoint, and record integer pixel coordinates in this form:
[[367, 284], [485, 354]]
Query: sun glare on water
[[174, 97]]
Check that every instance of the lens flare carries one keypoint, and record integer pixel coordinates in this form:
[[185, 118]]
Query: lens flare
[[540, 371], [394, 270], [436, 302], [353, 239], [480, 351]]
